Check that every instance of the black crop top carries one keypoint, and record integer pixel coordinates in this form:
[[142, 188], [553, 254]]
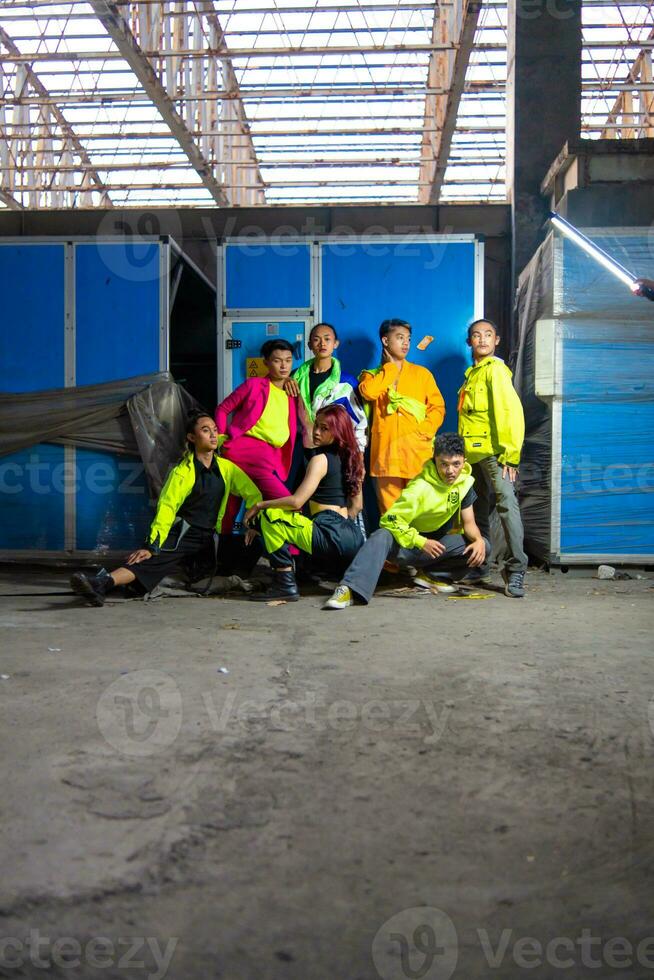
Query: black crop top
[[331, 490]]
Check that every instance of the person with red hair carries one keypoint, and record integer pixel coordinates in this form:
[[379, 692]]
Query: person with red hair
[[332, 488]]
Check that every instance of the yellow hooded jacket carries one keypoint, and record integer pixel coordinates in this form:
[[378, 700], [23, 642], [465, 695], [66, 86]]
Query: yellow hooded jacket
[[425, 504], [178, 486], [491, 419]]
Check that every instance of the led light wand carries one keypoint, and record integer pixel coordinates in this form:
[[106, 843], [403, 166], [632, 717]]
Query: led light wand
[[636, 285]]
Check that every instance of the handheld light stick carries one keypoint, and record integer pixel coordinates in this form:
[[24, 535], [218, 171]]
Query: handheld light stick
[[597, 253]]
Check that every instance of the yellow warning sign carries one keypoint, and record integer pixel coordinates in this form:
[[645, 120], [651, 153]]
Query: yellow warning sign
[[255, 367]]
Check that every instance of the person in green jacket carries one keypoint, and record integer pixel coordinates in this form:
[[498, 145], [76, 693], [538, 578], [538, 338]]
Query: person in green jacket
[[191, 507], [492, 424], [431, 526]]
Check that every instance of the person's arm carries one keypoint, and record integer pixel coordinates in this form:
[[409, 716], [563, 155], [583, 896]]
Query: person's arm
[[170, 500], [435, 410], [371, 386], [239, 483], [316, 470], [355, 506], [398, 518], [476, 550], [229, 404], [508, 417]]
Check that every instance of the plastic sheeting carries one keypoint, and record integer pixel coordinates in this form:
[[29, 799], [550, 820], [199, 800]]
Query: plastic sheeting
[[587, 471], [144, 416]]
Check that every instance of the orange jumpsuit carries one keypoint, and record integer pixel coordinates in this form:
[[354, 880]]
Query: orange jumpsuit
[[400, 444]]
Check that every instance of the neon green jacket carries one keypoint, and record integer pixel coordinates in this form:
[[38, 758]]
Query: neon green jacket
[[178, 486], [491, 419], [425, 504]]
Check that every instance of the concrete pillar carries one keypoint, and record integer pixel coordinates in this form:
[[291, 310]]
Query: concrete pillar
[[543, 108]]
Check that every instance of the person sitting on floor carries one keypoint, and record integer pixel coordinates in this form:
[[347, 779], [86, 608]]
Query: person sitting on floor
[[332, 486], [422, 528], [191, 507]]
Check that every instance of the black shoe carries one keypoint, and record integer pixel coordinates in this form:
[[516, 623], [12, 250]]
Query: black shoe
[[514, 584], [473, 575], [93, 588], [283, 586]]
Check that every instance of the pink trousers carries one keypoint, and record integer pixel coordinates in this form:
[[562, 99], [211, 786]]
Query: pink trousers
[[262, 463]]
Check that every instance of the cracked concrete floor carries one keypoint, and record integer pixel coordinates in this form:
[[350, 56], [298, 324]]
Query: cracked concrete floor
[[426, 787]]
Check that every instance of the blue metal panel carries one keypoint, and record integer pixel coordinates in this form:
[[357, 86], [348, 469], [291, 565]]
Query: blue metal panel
[[32, 332], [112, 502], [253, 334], [268, 276], [117, 310], [607, 481], [432, 286], [32, 499]]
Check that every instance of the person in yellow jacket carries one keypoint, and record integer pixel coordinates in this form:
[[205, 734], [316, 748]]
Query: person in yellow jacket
[[407, 411], [492, 424], [191, 507], [431, 526]]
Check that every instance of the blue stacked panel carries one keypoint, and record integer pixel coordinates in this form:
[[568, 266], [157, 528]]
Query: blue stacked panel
[[117, 300], [431, 285], [117, 310], [31, 359], [607, 480], [268, 276]]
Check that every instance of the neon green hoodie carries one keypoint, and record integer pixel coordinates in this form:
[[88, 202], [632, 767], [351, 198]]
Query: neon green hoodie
[[425, 505], [491, 419], [178, 486]]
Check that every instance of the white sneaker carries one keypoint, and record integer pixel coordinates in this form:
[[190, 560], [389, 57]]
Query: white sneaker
[[425, 581], [341, 599]]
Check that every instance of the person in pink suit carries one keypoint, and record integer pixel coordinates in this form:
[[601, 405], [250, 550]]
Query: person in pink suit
[[263, 426]]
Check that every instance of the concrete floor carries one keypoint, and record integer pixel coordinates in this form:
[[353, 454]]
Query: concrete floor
[[426, 787]]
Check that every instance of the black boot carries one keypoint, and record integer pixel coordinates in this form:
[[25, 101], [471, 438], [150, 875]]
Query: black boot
[[283, 586], [93, 588]]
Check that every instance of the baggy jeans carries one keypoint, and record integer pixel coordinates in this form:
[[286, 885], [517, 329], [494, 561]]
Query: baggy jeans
[[488, 480], [363, 574]]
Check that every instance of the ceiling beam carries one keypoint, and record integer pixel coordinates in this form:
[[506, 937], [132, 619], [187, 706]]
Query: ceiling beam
[[119, 31], [447, 70], [31, 78]]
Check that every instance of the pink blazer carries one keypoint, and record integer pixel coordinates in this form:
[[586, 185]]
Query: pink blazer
[[247, 403]]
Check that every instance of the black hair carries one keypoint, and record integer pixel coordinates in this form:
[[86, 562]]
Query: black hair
[[387, 325], [323, 324], [192, 420], [449, 444], [475, 323], [278, 343]]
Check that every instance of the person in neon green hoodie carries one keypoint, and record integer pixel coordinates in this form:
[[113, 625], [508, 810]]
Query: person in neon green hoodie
[[191, 507], [492, 424], [430, 526]]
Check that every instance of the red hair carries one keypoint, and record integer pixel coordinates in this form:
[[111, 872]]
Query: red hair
[[340, 426]]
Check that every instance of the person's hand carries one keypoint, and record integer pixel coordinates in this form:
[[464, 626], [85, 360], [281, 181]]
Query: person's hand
[[476, 552], [386, 357], [433, 548], [250, 535], [138, 556], [511, 472], [251, 514], [291, 388]]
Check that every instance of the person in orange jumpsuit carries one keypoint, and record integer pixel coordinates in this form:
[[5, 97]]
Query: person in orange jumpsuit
[[407, 411]]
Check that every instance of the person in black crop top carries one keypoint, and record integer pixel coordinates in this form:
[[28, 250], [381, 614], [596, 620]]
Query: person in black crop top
[[332, 488]]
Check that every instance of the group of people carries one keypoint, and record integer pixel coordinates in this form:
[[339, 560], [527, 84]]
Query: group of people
[[434, 491]]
